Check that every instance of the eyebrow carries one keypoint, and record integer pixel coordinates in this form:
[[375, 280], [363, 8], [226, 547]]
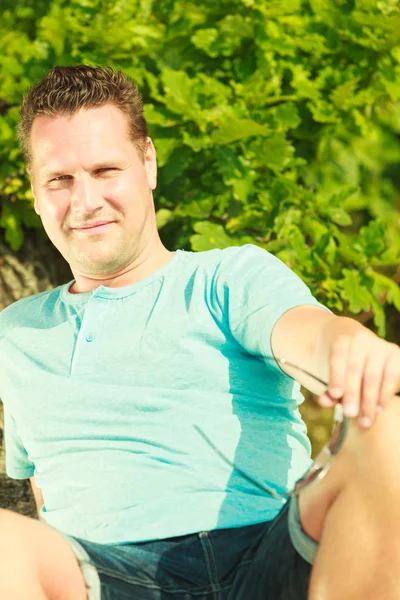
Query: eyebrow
[[104, 163]]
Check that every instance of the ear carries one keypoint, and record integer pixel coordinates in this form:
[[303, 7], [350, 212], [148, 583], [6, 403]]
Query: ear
[[150, 164]]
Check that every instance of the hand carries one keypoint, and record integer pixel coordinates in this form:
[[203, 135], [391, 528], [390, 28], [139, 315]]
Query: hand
[[364, 375]]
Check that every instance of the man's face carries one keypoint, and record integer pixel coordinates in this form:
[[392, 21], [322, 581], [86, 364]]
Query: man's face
[[86, 170]]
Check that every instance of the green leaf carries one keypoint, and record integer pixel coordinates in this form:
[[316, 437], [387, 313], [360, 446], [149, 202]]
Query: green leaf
[[163, 216], [233, 130], [53, 29], [154, 84], [209, 236], [331, 251], [164, 148], [13, 231], [242, 188], [379, 317], [157, 116], [177, 163], [251, 217], [391, 81], [323, 112], [6, 131], [331, 291], [236, 27], [326, 248], [146, 32], [282, 190], [230, 165], [287, 115], [204, 39], [317, 231], [305, 87], [355, 292], [276, 152], [179, 93], [196, 142], [198, 208], [224, 39], [343, 96], [385, 285], [394, 295], [285, 220], [339, 216], [338, 198], [372, 238]]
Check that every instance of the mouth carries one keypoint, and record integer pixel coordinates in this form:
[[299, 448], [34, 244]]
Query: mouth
[[98, 227]]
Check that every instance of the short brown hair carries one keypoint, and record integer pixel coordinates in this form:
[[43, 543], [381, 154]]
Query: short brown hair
[[66, 90]]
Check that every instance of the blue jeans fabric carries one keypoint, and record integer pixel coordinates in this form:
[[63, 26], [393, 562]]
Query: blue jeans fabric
[[256, 562]]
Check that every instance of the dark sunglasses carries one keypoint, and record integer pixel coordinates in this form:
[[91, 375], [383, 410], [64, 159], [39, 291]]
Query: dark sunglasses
[[322, 462]]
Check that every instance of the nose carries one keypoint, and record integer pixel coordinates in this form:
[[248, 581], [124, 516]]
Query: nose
[[86, 196]]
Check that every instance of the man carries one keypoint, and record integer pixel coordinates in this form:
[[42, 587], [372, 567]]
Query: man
[[113, 383]]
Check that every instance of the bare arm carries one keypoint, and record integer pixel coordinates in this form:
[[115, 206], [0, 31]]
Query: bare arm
[[304, 336], [362, 369]]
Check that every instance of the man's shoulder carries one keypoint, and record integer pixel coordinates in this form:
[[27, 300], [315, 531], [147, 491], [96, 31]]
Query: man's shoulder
[[230, 254], [24, 311], [230, 265]]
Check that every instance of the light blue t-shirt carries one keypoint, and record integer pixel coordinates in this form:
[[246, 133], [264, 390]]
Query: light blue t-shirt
[[103, 392]]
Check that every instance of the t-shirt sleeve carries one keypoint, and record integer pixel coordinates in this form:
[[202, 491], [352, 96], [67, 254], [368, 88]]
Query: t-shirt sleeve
[[254, 289], [18, 465]]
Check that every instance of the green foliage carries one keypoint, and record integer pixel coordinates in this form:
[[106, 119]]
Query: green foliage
[[275, 121]]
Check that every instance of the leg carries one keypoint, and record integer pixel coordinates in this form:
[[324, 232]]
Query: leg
[[36, 562], [354, 513]]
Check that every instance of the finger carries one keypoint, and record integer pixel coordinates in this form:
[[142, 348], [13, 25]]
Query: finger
[[391, 377], [359, 348], [337, 366], [326, 401], [372, 384]]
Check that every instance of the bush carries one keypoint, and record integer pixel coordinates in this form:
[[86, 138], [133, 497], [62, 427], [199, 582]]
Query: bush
[[276, 122]]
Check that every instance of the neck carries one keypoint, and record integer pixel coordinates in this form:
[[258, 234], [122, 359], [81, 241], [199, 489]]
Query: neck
[[143, 266]]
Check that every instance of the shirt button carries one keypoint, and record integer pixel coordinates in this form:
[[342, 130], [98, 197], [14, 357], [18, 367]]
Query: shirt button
[[90, 337]]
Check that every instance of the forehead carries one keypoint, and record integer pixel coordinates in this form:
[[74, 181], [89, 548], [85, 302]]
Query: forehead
[[81, 136]]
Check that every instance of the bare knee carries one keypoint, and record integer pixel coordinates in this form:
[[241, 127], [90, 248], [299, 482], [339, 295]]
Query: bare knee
[[359, 554], [372, 458], [369, 464], [36, 549]]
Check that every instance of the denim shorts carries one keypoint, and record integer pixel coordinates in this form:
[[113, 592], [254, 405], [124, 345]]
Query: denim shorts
[[270, 560]]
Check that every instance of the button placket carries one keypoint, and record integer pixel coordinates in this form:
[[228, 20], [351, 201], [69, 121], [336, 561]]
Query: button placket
[[91, 317], [95, 314]]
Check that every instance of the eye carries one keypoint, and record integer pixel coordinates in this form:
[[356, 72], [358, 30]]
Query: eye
[[63, 177], [106, 169], [60, 178]]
